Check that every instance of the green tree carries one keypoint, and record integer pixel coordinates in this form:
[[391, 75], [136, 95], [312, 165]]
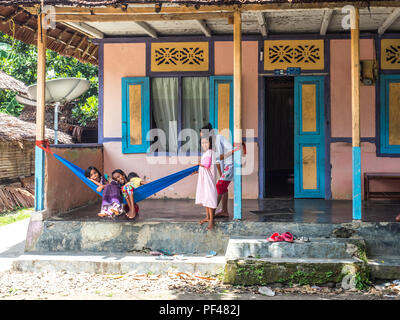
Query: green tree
[[19, 60]]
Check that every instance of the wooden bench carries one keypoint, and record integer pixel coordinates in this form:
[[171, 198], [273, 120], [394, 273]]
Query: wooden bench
[[368, 176]]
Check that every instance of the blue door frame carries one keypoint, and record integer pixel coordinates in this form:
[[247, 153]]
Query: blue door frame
[[313, 139]]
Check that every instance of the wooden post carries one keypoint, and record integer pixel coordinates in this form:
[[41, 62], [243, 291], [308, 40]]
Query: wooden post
[[40, 113], [237, 135], [355, 108]]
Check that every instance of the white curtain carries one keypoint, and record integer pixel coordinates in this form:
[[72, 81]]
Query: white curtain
[[164, 97], [195, 108]]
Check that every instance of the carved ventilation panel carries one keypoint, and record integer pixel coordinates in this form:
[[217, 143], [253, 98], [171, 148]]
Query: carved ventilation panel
[[390, 54], [179, 56], [304, 54]]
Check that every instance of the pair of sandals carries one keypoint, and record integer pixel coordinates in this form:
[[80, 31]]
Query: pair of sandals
[[276, 237], [288, 237]]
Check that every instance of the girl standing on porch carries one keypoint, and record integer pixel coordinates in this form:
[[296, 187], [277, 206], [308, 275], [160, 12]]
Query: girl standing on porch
[[206, 192]]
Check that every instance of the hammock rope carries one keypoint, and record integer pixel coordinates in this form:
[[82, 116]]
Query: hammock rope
[[140, 193]]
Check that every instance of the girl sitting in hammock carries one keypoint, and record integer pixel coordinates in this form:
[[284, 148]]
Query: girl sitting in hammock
[[94, 175], [127, 191]]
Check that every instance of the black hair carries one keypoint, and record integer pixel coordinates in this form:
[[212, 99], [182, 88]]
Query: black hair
[[207, 127], [132, 175], [210, 140], [120, 172], [89, 169]]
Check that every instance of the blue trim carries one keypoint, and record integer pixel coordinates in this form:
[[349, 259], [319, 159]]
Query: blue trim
[[261, 136], [214, 82], [250, 139], [100, 117], [237, 185], [39, 178], [76, 146], [315, 139], [356, 157], [245, 37], [111, 139], [349, 139], [385, 147], [145, 115], [327, 122]]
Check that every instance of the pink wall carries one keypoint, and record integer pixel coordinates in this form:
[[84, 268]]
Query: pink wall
[[341, 90], [224, 66], [140, 163], [341, 162], [342, 171], [120, 60]]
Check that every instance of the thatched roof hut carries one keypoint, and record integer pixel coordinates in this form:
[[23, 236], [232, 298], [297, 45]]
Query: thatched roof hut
[[17, 161], [9, 83], [13, 130], [17, 142]]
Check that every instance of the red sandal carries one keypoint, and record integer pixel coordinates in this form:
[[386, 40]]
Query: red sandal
[[287, 236], [275, 238]]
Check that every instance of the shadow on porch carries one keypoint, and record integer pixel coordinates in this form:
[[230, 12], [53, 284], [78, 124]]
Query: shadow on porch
[[267, 210]]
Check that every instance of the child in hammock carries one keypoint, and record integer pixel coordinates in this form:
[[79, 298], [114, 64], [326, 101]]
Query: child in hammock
[[94, 175], [127, 192], [112, 201], [135, 180]]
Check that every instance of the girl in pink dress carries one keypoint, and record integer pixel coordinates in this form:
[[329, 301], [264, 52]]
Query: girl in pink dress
[[206, 192]]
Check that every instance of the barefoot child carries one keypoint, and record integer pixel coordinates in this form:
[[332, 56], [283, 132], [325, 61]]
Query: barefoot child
[[127, 191], [112, 203], [134, 180], [206, 192], [94, 175]]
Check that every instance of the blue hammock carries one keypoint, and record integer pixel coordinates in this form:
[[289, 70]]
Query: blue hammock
[[140, 193]]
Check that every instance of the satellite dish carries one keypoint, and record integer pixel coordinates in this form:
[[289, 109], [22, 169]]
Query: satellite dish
[[60, 91], [25, 100]]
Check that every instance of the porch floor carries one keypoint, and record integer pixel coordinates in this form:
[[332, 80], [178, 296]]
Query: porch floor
[[266, 210]]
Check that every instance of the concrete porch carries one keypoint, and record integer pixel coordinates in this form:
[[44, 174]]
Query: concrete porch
[[266, 210], [81, 241]]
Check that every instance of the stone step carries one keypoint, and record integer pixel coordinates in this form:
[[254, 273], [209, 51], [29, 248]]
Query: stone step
[[310, 271], [384, 267], [117, 264], [123, 237], [383, 247], [332, 248]]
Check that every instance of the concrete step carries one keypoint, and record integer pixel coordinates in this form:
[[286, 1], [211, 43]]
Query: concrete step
[[117, 264], [384, 267], [332, 248], [311, 271], [123, 237]]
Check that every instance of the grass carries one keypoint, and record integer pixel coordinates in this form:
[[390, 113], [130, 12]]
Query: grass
[[14, 216]]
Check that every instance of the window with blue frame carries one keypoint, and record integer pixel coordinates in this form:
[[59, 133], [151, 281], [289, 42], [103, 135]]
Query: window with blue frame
[[390, 114], [175, 108]]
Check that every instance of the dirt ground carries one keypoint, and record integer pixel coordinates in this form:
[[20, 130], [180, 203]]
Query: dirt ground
[[171, 286]]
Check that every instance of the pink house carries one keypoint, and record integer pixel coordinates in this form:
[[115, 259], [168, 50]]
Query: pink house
[[281, 74]]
